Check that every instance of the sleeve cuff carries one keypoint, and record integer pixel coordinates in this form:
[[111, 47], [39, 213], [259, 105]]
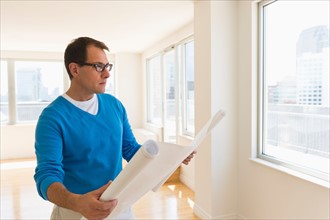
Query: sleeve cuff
[[45, 184]]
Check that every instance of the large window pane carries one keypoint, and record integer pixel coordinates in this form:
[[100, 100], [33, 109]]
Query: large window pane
[[37, 84], [295, 85], [4, 114], [170, 97], [189, 87], [154, 90]]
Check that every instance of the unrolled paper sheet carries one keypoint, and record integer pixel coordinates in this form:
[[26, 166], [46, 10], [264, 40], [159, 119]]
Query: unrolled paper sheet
[[150, 167]]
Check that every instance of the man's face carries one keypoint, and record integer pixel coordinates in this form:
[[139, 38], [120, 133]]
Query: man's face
[[88, 79]]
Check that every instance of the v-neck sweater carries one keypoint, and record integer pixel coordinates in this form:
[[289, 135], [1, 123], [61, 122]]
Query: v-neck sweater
[[81, 150]]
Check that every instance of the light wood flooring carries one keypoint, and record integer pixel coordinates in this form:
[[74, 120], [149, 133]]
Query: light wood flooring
[[19, 198]]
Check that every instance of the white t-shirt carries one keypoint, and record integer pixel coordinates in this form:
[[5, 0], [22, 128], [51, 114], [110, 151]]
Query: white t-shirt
[[91, 106]]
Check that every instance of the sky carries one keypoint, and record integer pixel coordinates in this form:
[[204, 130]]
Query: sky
[[285, 20]]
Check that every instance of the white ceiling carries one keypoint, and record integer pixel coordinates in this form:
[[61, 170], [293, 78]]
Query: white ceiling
[[125, 26]]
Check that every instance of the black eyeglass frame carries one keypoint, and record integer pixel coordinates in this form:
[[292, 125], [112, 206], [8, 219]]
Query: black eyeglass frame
[[99, 67]]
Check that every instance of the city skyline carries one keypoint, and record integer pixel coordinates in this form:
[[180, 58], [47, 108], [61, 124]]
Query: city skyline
[[310, 83]]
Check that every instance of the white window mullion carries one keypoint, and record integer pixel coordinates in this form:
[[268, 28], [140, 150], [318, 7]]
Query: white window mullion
[[11, 92], [177, 91]]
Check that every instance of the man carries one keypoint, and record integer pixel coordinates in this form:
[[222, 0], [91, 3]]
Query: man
[[81, 138]]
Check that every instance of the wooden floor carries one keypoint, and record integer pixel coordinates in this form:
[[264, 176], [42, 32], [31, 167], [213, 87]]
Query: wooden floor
[[19, 198]]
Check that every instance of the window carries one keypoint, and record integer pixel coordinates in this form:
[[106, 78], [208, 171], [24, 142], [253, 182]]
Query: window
[[294, 60], [37, 84], [170, 101], [170, 98], [28, 86]]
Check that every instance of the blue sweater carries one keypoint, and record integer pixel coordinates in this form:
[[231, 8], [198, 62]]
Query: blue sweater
[[80, 150]]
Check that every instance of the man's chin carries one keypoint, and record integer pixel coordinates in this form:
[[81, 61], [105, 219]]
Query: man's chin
[[101, 90]]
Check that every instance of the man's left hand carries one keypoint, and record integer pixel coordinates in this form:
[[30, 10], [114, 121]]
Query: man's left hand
[[188, 159]]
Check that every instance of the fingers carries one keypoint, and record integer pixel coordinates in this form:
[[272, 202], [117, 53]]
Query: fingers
[[188, 159], [191, 155], [100, 190], [93, 207], [108, 207], [101, 210]]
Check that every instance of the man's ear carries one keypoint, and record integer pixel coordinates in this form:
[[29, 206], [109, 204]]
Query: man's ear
[[73, 67]]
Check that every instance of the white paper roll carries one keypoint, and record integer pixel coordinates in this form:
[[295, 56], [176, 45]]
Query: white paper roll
[[150, 167], [148, 151]]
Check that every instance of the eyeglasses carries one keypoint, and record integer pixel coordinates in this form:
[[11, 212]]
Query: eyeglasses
[[99, 67]]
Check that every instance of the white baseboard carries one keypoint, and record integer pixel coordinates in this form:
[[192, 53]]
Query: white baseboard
[[230, 217], [187, 181], [203, 215]]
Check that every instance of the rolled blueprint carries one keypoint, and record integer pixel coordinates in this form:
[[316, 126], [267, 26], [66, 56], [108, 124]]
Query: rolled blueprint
[[148, 151], [122, 183], [150, 168]]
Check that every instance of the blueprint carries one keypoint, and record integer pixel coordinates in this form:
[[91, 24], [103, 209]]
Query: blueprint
[[150, 167]]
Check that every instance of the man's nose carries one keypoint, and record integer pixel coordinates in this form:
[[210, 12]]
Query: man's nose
[[105, 73]]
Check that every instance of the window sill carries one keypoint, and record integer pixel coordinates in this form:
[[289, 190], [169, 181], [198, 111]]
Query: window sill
[[188, 137], [151, 125], [291, 172]]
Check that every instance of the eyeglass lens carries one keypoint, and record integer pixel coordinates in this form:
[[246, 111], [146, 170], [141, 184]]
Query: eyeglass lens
[[101, 67]]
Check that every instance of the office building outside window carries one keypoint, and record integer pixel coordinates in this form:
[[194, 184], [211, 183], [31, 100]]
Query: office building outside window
[[37, 84]]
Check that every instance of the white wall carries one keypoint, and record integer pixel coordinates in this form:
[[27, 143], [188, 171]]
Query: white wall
[[216, 88], [17, 141], [129, 85]]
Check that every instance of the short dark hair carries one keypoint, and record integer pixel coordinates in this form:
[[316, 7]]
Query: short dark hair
[[76, 51]]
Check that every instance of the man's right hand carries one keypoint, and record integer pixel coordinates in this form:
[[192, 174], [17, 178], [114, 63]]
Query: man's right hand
[[87, 204], [91, 207]]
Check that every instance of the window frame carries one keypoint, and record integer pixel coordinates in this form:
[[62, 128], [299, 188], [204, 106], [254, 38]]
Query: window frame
[[179, 86], [8, 120], [262, 107], [15, 102], [12, 81], [12, 57], [184, 116]]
